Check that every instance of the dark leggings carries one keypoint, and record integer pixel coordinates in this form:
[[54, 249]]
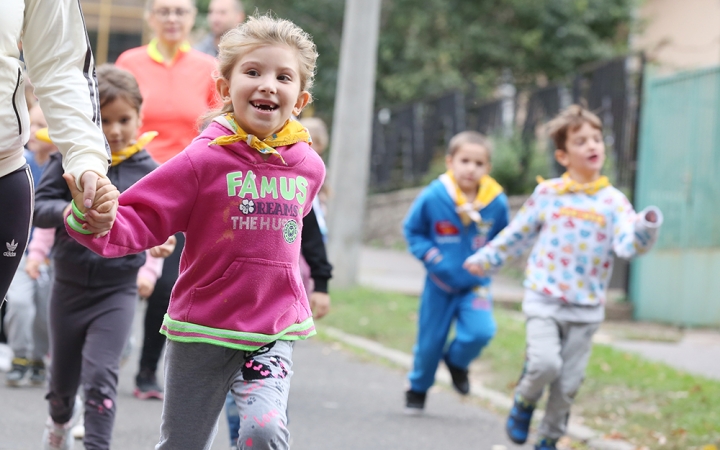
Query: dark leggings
[[16, 206], [157, 306], [89, 325]]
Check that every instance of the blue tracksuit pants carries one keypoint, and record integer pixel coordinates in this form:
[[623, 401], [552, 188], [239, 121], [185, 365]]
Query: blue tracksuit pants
[[474, 328]]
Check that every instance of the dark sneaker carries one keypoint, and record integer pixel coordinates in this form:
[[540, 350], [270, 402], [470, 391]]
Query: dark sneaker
[[20, 367], [518, 422], [147, 386], [414, 402], [546, 444], [459, 378], [37, 373]]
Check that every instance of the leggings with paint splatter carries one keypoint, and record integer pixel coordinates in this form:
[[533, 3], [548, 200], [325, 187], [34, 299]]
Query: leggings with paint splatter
[[197, 379], [90, 319]]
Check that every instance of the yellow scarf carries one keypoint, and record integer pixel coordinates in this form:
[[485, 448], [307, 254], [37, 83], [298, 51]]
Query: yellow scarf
[[470, 212], [569, 186], [291, 133], [143, 140]]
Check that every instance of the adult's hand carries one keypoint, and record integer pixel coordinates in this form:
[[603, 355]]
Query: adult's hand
[[88, 183]]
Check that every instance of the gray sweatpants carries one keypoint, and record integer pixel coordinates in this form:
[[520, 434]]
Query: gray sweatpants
[[27, 316], [557, 355], [197, 379]]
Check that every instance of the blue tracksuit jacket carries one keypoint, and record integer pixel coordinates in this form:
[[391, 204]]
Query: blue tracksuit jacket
[[433, 225]]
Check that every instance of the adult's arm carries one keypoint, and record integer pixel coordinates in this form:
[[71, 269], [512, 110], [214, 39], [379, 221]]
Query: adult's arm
[[62, 69]]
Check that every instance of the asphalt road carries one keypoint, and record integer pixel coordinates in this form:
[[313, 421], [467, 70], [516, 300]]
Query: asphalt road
[[339, 401]]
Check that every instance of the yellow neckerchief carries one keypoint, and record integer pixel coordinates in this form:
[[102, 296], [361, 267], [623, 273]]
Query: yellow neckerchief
[[470, 212], [155, 55], [569, 186], [291, 133], [43, 135], [143, 140]]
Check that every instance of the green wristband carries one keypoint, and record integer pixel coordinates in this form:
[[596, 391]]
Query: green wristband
[[77, 211], [75, 225]]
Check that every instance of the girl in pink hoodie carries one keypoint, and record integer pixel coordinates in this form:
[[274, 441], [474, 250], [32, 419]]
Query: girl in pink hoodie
[[239, 192]]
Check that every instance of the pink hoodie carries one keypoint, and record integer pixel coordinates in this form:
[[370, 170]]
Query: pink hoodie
[[239, 284]]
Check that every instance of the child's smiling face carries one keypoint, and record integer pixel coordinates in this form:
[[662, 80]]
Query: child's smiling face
[[469, 163], [264, 89], [584, 153]]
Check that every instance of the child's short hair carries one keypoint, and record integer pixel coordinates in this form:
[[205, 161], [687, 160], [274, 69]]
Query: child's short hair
[[318, 131], [469, 137], [570, 119], [266, 30], [114, 83]]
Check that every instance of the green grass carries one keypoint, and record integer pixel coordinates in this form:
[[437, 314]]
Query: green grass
[[650, 404]]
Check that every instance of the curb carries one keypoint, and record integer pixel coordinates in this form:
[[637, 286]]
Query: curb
[[594, 439]]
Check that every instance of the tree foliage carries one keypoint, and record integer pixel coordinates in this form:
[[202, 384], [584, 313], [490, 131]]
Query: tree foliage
[[429, 46]]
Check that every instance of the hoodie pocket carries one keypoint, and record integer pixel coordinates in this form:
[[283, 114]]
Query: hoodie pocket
[[253, 294]]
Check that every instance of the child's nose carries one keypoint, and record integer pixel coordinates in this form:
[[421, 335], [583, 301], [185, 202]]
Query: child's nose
[[268, 85]]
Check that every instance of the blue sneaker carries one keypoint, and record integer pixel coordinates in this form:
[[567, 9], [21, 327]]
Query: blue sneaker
[[546, 444], [518, 422]]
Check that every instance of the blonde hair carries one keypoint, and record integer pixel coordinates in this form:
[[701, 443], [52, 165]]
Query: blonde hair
[[258, 31], [318, 132], [469, 137], [570, 119]]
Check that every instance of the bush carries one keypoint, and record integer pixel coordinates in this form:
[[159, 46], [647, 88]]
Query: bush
[[507, 168]]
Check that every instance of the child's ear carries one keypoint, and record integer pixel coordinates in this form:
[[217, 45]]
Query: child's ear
[[561, 156], [302, 101], [223, 88], [448, 162]]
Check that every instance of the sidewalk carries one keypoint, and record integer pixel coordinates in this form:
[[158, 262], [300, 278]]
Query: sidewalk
[[693, 351]]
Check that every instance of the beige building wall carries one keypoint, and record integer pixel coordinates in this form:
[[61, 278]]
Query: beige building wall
[[679, 34]]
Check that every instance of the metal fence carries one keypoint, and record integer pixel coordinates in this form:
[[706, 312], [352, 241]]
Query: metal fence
[[408, 138]]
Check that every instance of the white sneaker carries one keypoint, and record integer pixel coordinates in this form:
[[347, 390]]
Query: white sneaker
[[58, 436], [6, 356], [78, 430]]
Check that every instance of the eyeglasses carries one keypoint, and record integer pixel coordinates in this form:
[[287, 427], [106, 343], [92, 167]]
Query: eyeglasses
[[165, 13]]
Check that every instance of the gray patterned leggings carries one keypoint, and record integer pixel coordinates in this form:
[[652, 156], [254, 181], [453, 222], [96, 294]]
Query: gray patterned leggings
[[197, 379]]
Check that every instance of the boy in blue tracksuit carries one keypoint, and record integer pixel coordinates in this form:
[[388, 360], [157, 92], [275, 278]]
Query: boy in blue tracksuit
[[443, 228]]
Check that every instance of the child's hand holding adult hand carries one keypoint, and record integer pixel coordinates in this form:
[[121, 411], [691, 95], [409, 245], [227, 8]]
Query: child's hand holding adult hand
[[100, 218]]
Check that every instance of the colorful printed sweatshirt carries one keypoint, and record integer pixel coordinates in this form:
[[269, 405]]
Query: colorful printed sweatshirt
[[437, 236], [576, 236], [239, 284]]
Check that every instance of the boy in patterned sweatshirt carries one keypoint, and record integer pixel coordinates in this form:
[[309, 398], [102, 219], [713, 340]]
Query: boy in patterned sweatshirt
[[577, 221], [452, 218]]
